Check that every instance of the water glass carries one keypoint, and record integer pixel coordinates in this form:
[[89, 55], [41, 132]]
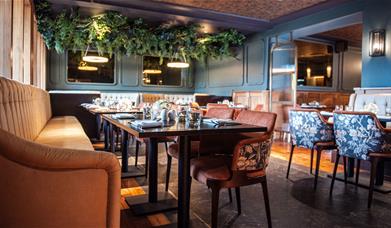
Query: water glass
[[388, 111]]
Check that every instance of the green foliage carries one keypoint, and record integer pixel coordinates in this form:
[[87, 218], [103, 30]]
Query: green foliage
[[113, 32]]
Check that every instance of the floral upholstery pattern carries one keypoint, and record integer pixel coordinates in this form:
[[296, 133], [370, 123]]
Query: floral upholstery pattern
[[357, 135], [254, 156], [307, 128]]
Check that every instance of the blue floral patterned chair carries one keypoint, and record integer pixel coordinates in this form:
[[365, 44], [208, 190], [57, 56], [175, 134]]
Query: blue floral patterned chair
[[361, 136], [310, 130]]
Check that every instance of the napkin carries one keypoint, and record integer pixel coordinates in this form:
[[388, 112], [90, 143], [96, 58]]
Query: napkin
[[123, 116], [146, 123], [220, 122]]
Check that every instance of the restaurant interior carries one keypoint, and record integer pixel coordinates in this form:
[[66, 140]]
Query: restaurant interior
[[195, 113]]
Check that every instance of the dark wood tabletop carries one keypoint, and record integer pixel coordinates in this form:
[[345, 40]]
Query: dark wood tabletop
[[113, 111], [179, 129]]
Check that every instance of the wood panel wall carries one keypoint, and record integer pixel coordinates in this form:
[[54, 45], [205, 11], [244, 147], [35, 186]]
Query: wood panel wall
[[22, 50]]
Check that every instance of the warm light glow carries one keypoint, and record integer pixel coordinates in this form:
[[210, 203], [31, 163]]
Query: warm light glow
[[308, 72], [377, 43], [283, 70], [151, 71], [328, 71], [87, 68], [178, 64], [95, 59]]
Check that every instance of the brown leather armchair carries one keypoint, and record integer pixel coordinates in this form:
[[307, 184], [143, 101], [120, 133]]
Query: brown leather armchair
[[245, 165], [44, 186]]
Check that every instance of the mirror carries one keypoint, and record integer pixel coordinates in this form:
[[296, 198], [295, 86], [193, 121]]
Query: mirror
[[157, 73], [88, 70]]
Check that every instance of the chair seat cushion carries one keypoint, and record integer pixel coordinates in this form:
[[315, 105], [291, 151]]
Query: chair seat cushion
[[64, 132], [173, 149], [212, 167]]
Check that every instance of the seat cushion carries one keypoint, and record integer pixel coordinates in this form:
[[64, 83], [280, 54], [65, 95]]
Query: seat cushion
[[211, 168], [64, 132], [173, 149]]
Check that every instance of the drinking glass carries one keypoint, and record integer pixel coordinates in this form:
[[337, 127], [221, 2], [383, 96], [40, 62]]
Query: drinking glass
[[388, 111]]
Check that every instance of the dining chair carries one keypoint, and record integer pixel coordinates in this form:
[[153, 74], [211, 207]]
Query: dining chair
[[173, 150], [310, 130], [361, 136], [244, 165]]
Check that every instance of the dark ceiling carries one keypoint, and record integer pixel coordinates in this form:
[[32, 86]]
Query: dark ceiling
[[247, 16], [352, 34]]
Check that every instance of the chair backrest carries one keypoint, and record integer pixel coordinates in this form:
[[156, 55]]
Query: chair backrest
[[253, 154], [308, 127], [220, 113], [216, 105], [24, 109], [264, 119], [359, 133]]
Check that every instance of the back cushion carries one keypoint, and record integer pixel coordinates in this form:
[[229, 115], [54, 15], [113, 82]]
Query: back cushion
[[24, 109]]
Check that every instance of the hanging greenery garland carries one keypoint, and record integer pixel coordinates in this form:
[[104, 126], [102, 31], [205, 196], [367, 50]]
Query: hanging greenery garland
[[113, 32]]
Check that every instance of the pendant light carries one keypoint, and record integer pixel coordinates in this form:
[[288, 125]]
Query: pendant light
[[177, 62], [94, 58]]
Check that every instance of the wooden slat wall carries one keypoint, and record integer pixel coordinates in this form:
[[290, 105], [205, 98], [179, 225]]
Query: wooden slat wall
[[22, 50], [5, 38]]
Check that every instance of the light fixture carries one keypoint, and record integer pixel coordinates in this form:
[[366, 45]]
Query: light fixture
[[94, 58], [308, 72], [84, 67], [377, 42], [151, 71], [328, 71], [177, 64]]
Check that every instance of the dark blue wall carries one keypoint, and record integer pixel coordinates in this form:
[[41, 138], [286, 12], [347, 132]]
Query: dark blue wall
[[376, 71]]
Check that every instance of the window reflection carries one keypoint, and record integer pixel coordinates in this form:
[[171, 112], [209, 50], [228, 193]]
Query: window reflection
[[80, 71], [156, 72], [315, 64]]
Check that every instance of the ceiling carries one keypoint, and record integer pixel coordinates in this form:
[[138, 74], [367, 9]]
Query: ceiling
[[261, 9], [353, 34], [247, 16]]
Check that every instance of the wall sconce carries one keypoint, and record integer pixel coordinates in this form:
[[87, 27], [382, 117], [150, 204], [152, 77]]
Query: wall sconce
[[377, 42]]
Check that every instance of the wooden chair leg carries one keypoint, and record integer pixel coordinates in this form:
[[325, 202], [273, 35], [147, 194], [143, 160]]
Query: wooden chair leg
[[230, 195], [137, 151], [215, 206], [334, 173], [168, 171], [146, 161], [374, 162], [312, 159], [318, 157], [267, 205], [238, 201], [290, 160], [358, 170], [345, 174]]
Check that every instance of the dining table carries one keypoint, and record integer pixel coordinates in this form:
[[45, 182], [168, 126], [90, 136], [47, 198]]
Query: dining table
[[379, 181], [157, 201]]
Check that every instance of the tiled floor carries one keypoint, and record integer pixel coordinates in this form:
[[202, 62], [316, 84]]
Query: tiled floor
[[294, 203]]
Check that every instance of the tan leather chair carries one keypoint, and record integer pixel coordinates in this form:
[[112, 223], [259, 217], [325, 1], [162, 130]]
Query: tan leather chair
[[44, 186]]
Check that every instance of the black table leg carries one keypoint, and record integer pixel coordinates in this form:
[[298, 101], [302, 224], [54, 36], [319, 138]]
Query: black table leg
[[112, 141], [152, 170], [155, 201], [350, 167], [184, 181], [380, 173], [106, 134], [124, 150], [98, 126], [128, 171]]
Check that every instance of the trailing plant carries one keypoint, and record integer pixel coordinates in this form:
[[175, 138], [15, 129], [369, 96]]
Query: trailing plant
[[113, 32]]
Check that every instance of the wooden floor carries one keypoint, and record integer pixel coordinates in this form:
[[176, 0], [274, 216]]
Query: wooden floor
[[132, 187]]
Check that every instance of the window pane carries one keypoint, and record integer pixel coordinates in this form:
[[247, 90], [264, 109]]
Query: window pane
[[80, 71], [315, 64], [155, 73]]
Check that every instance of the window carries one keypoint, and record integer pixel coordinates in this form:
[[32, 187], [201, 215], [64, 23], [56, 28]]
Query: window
[[157, 73], [315, 64], [80, 71]]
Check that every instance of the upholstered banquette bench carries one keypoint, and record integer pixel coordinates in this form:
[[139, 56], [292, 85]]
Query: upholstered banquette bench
[[381, 100], [50, 176]]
